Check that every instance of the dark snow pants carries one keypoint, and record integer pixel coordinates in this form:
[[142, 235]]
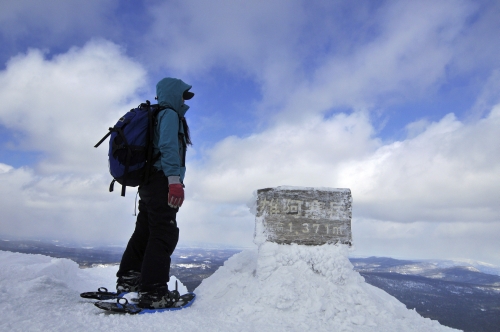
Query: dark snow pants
[[155, 236]]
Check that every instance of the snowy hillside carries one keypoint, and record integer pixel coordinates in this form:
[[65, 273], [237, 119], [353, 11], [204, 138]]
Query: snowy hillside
[[275, 288]]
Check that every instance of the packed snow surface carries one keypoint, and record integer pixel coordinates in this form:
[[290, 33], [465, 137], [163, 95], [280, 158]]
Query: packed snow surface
[[272, 288]]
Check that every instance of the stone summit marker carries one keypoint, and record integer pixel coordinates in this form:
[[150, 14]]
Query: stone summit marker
[[307, 216]]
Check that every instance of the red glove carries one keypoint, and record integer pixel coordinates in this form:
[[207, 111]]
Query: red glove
[[175, 195]]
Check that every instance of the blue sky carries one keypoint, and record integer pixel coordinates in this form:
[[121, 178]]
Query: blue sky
[[397, 100]]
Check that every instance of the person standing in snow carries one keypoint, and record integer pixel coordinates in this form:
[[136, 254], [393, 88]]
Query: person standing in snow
[[145, 264]]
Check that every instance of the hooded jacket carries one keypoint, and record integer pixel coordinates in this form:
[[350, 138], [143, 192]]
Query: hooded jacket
[[169, 137]]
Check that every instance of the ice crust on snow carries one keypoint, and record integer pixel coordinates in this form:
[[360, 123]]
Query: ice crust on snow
[[270, 288]]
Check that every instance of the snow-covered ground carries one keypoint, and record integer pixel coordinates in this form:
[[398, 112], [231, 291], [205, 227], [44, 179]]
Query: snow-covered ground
[[273, 288]]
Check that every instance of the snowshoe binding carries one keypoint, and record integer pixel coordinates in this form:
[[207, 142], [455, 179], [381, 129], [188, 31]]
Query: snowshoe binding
[[102, 294]]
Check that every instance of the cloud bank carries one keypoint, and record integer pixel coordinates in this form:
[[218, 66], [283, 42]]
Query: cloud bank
[[324, 76], [62, 107], [443, 181]]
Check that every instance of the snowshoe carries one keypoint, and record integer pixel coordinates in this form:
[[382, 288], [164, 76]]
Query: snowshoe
[[122, 305]]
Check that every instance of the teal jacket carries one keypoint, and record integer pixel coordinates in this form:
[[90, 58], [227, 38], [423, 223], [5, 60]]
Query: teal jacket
[[169, 133]]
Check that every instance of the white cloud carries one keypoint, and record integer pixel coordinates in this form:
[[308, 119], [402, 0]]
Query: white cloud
[[239, 34], [64, 105], [62, 207], [306, 57], [427, 240], [408, 57], [449, 173], [489, 96], [308, 155], [478, 47]]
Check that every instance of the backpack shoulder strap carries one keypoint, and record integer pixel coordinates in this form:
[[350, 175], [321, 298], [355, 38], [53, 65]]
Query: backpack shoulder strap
[[153, 111]]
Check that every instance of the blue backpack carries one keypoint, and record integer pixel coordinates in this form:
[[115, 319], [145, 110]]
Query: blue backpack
[[131, 146]]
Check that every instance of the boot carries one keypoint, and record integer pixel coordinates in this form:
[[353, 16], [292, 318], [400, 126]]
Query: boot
[[128, 282], [159, 297]]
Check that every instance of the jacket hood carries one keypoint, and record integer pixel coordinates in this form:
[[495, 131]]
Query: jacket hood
[[169, 92]]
